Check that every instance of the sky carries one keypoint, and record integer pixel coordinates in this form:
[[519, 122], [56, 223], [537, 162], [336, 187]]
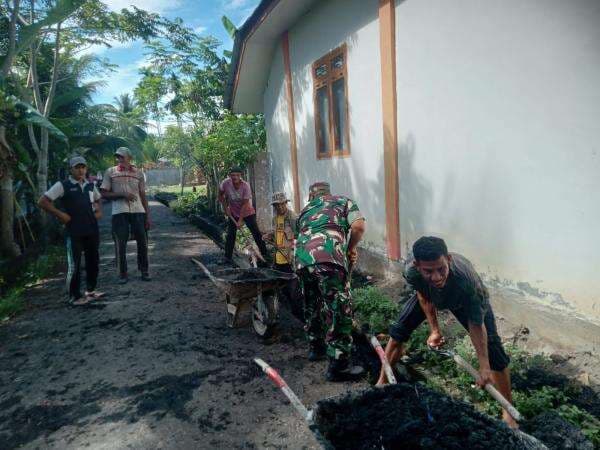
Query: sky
[[204, 16]]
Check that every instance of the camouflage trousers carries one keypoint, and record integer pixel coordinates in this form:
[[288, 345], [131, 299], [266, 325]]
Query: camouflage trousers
[[327, 308]]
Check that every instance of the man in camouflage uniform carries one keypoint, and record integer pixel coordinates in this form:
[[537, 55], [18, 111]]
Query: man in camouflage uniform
[[329, 229]]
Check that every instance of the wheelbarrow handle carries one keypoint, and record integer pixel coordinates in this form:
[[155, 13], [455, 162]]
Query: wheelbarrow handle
[[389, 373], [488, 387], [281, 384]]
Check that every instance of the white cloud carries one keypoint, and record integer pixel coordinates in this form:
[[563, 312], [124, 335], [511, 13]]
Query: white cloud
[[99, 49], [157, 6], [231, 5], [201, 29]]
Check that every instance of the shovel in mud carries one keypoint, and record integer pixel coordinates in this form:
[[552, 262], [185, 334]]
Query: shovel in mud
[[527, 440]]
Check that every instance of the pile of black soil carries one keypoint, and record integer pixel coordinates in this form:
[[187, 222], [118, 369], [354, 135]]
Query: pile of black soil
[[165, 197], [243, 275], [556, 432], [409, 416]]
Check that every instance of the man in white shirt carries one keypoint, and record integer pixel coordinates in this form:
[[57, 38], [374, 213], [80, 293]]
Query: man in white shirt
[[124, 184], [81, 204]]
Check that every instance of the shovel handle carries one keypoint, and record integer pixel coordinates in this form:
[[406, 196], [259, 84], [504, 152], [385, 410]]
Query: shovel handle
[[389, 373], [281, 384], [488, 387]]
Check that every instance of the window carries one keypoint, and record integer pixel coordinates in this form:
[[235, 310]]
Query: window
[[331, 104]]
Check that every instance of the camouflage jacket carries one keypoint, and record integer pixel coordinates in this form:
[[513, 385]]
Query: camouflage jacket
[[323, 227]]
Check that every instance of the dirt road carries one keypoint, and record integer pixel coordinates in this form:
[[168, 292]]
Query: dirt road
[[151, 367]]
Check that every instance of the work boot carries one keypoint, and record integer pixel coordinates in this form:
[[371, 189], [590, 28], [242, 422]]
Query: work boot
[[317, 351], [342, 370]]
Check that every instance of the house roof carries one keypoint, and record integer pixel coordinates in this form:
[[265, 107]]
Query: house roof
[[254, 44]]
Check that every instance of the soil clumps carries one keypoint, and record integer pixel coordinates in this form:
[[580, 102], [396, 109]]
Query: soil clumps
[[409, 416]]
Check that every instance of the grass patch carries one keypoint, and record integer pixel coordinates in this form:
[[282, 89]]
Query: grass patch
[[31, 271], [374, 309], [201, 190]]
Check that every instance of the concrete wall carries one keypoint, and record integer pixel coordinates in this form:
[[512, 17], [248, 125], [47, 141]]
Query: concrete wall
[[498, 119], [162, 177]]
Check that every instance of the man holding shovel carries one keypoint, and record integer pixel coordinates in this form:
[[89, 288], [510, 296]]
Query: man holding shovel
[[445, 280], [235, 196], [282, 237], [329, 229]]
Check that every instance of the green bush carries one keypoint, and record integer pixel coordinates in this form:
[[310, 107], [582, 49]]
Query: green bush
[[535, 402], [187, 204], [11, 303], [373, 308]]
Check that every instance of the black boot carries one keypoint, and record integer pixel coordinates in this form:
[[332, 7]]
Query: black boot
[[342, 370], [317, 351]]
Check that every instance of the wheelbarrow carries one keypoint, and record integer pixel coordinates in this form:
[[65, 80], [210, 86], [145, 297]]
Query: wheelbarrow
[[255, 288]]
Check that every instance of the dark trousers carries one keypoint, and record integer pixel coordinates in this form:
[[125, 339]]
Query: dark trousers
[[412, 316], [291, 291], [89, 245], [253, 227], [122, 224]]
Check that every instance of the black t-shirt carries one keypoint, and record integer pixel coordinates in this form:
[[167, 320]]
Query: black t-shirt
[[464, 289]]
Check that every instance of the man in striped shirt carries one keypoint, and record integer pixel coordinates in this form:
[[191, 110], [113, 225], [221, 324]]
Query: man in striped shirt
[[124, 185]]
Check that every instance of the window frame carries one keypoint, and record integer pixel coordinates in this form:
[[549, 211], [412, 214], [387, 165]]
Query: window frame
[[327, 81]]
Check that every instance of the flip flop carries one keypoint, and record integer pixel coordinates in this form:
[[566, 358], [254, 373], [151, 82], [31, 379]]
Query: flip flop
[[93, 295], [82, 301]]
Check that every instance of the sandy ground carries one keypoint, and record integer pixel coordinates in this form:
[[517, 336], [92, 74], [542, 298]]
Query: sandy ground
[[153, 365]]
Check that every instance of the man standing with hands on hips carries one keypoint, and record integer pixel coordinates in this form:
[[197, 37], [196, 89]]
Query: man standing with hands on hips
[[80, 201], [124, 185]]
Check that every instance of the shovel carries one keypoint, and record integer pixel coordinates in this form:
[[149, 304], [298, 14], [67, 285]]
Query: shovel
[[461, 362]]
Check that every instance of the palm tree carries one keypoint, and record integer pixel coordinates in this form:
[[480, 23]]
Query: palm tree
[[129, 121]]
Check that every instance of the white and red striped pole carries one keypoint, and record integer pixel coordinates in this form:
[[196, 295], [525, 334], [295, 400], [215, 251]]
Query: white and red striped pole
[[281, 384], [389, 373]]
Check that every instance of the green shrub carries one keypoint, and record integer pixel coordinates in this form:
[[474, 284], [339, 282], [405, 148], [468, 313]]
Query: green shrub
[[373, 308], [535, 402], [590, 425], [11, 303], [187, 204]]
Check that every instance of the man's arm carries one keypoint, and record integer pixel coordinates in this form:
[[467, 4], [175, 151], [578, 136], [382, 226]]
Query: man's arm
[[435, 338], [98, 210], [357, 229], [46, 204], [478, 335], [243, 209], [144, 200]]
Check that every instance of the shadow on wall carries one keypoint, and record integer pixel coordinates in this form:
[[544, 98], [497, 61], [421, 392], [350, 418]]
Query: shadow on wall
[[415, 195]]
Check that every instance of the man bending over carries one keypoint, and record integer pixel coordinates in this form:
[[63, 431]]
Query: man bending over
[[445, 280]]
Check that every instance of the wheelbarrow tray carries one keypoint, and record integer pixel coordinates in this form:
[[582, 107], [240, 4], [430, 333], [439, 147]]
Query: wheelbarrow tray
[[409, 416], [241, 284]]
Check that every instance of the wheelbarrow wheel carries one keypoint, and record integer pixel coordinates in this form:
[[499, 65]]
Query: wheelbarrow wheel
[[264, 315]]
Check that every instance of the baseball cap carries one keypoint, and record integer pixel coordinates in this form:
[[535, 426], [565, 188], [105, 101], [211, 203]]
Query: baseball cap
[[123, 151], [76, 160], [279, 197], [236, 169]]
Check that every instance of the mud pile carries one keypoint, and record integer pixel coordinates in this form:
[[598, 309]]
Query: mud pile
[[409, 416]]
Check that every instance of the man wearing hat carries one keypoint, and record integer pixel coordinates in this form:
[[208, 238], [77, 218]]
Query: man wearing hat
[[235, 196], [81, 204], [124, 185], [329, 230], [282, 237]]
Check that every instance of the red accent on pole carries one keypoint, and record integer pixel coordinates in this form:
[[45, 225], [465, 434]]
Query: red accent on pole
[[273, 375]]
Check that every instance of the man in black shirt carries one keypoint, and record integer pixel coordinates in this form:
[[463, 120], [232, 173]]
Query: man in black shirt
[[81, 204], [445, 280]]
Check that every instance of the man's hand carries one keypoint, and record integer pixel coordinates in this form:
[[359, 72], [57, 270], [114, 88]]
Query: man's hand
[[435, 340], [353, 256], [64, 218], [98, 214], [239, 223], [147, 223], [130, 197], [485, 377]]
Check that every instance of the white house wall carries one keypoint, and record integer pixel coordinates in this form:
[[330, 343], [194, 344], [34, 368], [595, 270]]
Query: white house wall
[[327, 26], [277, 127], [499, 137]]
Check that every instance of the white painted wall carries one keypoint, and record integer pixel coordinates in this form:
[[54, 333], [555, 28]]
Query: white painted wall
[[277, 127], [499, 131], [327, 26]]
